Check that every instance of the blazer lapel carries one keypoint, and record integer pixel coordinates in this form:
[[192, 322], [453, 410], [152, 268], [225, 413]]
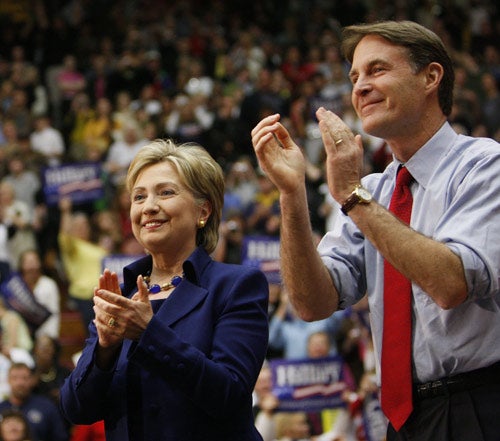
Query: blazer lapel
[[182, 300]]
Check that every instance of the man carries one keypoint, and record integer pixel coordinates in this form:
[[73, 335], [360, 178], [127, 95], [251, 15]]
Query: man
[[43, 415], [446, 256]]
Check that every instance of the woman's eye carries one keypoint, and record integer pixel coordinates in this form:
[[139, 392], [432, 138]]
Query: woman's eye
[[138, 197]]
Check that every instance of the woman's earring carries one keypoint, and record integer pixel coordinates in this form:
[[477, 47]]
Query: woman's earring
[[201, 223]]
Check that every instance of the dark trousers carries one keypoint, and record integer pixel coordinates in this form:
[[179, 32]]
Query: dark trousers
[[469, 415]]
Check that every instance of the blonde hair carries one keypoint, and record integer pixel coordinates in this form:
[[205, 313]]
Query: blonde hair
[[198, 171]]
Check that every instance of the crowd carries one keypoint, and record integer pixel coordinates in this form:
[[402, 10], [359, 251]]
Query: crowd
[[78, 85]]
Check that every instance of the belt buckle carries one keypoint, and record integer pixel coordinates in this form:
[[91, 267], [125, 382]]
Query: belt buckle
[[437, 387]]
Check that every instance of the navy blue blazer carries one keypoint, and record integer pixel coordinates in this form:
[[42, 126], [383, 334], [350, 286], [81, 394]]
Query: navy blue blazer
[[191, 375]]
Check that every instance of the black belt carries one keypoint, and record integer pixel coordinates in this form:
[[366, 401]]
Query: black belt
[[458, 383]]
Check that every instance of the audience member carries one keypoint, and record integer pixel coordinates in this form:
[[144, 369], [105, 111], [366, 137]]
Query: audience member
[[45, 291], [26, 182], [47, 140], [97, 130], [121, 153], [49, 372], [18, 218], [43, 415], [7, 357], [14, 426], [81, 257], [289, 334], [15, 332]]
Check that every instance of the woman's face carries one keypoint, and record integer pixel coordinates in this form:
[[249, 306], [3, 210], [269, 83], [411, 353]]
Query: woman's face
[[163, 212], [12, 429]]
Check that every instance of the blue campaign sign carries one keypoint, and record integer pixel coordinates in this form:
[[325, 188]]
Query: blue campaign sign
[[18, 296], [309, 385], [82, 182], [263, 252]]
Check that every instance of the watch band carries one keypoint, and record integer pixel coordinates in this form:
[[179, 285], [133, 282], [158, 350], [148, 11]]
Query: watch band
[[350, 203]]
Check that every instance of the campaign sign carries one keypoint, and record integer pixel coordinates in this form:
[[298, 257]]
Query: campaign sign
[[309, 385], [263, 252], [116, 263], [18, 296], [81, 182]]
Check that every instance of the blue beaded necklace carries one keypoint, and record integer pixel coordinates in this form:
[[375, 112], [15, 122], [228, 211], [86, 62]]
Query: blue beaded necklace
[[155, 288]]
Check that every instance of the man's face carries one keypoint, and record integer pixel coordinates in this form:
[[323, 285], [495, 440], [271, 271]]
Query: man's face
[[387, 95], [21, 382]]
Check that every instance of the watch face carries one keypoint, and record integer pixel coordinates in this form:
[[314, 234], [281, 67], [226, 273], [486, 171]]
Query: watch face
[[364, 194]]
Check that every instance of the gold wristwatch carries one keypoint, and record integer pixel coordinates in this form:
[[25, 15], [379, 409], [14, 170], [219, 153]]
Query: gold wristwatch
[[360, 195]]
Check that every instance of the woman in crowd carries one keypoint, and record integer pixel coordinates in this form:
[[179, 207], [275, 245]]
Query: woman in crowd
[[14, 426], [174, 351]]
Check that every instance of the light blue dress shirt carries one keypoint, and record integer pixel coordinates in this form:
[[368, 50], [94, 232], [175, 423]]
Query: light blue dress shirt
[[456, 200]]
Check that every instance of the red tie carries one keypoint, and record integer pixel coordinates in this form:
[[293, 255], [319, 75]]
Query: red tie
[[396, 395]]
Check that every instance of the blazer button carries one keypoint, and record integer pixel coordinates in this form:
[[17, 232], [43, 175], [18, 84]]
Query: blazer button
[[151, 348]]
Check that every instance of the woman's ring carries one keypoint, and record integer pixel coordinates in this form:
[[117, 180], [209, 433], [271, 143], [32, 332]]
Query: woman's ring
[[338, 141], [111, 322]]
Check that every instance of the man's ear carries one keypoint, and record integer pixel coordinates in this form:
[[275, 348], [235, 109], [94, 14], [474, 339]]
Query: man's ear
[[434, 75]]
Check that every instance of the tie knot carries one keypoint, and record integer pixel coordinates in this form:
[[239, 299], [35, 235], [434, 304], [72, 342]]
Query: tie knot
[[403, 178]]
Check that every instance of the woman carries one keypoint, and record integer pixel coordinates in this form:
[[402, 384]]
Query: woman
[[14, 426], [175, 352]]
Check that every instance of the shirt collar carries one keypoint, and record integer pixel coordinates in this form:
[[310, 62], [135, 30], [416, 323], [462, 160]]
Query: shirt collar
[[424, 162]]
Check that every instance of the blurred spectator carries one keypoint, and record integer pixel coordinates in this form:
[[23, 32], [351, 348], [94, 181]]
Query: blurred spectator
[[45, 291], [97, 78], [466, 107], [81, 258], [14, 330], [17, 216], [295, 68], [490, 104], [241, 186], [7, 357], [73, 124], [226, 138], [262, 101], [292, 426], [43, 415], [265, 404], [122, 115], [69, 81], [106, 234], [147, 101], [231, 234], [121, 207], [9, 142], [190, 119], [289, 334], [263, 214], [14, 426], [121, 153], [20, 112], [96, 131], [47, 140], [26, 183], [50, 373]]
